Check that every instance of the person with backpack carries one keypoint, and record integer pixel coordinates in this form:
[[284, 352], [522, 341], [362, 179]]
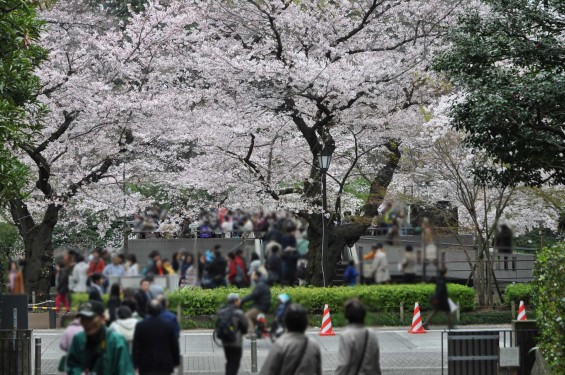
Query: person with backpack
[[294, 352], [231, 325], [359, 351]]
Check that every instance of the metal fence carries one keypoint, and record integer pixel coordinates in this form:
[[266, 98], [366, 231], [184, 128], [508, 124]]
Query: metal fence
[[488, 351], [15, 352]]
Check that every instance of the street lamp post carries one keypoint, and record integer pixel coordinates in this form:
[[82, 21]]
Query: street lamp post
[[324, 160]]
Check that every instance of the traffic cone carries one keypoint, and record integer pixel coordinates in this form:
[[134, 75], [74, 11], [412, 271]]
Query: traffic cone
[[417, 326], [522, 311], [327, 329]]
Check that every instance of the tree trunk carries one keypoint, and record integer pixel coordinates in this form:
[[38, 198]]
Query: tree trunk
[[380, 183], [338, 237], [37, 240]]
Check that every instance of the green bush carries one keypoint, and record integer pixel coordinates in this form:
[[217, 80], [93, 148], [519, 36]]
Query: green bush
[[519, 292], [549, 299], [382, 298]]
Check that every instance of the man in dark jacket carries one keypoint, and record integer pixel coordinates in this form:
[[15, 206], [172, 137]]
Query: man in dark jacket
[[95, 289], [274, 265], [440, 299], [217, 269], [155, 345], [233, 350], [261, 297], [142, 297]]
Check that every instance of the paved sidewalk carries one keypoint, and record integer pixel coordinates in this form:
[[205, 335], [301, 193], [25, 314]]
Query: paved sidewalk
[[401, 352]]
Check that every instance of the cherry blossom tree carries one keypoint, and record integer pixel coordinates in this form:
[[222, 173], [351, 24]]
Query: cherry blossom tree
[[311, 76], [105, 85], [445, 159]]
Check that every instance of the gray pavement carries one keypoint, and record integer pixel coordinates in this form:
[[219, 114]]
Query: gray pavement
[[401, 352]]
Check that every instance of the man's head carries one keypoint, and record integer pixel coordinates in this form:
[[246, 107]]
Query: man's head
[[256, 275], [355, 311], [378, 246], [91, 315], [116, 260], [124, 312], [442, 271], [96, 253], [239, 253], [162, 299], [97, 279], [154, 308], [154, 254], [296, 318], [144, 285], [409, 248], [231, 255], [233, 299]]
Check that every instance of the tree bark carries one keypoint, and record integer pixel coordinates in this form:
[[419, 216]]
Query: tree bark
[[37, 239], [338, 237], [380, 183]]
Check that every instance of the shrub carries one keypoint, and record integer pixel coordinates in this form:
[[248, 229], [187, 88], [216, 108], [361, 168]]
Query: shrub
[[550, 304], [518, 292], [380, 298]]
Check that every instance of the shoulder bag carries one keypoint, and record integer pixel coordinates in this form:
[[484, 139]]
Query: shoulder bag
[[363, 353]]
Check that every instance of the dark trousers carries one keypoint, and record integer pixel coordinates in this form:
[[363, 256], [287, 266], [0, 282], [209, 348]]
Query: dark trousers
[[233, 358]]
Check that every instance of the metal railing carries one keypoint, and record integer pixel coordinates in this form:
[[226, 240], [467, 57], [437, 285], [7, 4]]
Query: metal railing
[[485, 351]]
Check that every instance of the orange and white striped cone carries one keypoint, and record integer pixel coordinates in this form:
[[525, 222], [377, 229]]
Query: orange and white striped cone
[[417, 326], [522, 311], [327, 329]]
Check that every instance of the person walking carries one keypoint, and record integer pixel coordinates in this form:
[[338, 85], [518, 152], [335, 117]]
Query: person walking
[[237, 275], [142, 297], [79, 276], [294, 352], [350, 275], [261, 297], [66, 340], [408, 265], [217, 269], [231, 316], [440, 300], [15, 279], [359, 352], [132, 267], [273, 265], [62, 297], [97, 350], [125, 324], [114, 301], [96, 264], [379, 268], [95, 288], [155, 346]]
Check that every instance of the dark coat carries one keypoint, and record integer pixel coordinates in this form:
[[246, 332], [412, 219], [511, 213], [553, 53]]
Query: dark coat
[[217, 268], [94, 294], [261, 297], [142, 301], [155, 346], [439, 299]]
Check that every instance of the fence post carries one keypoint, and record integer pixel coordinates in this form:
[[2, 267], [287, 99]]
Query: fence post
[[458, 313], [33, 297], [253, 353], [179, 313], [401, 311], [52, 315], [38, 356], [513, 308]]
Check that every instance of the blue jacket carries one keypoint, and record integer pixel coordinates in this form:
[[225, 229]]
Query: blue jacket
[[350, 275]]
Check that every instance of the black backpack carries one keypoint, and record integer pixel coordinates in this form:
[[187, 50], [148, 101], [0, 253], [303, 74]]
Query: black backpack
[[225, 329]]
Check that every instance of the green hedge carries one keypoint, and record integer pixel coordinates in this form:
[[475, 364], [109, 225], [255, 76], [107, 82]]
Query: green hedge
[[519, 292], [550, 304], [377, 298]]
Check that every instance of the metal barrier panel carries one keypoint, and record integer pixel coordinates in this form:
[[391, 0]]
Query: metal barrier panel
[[15, 352], [472, 352]]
